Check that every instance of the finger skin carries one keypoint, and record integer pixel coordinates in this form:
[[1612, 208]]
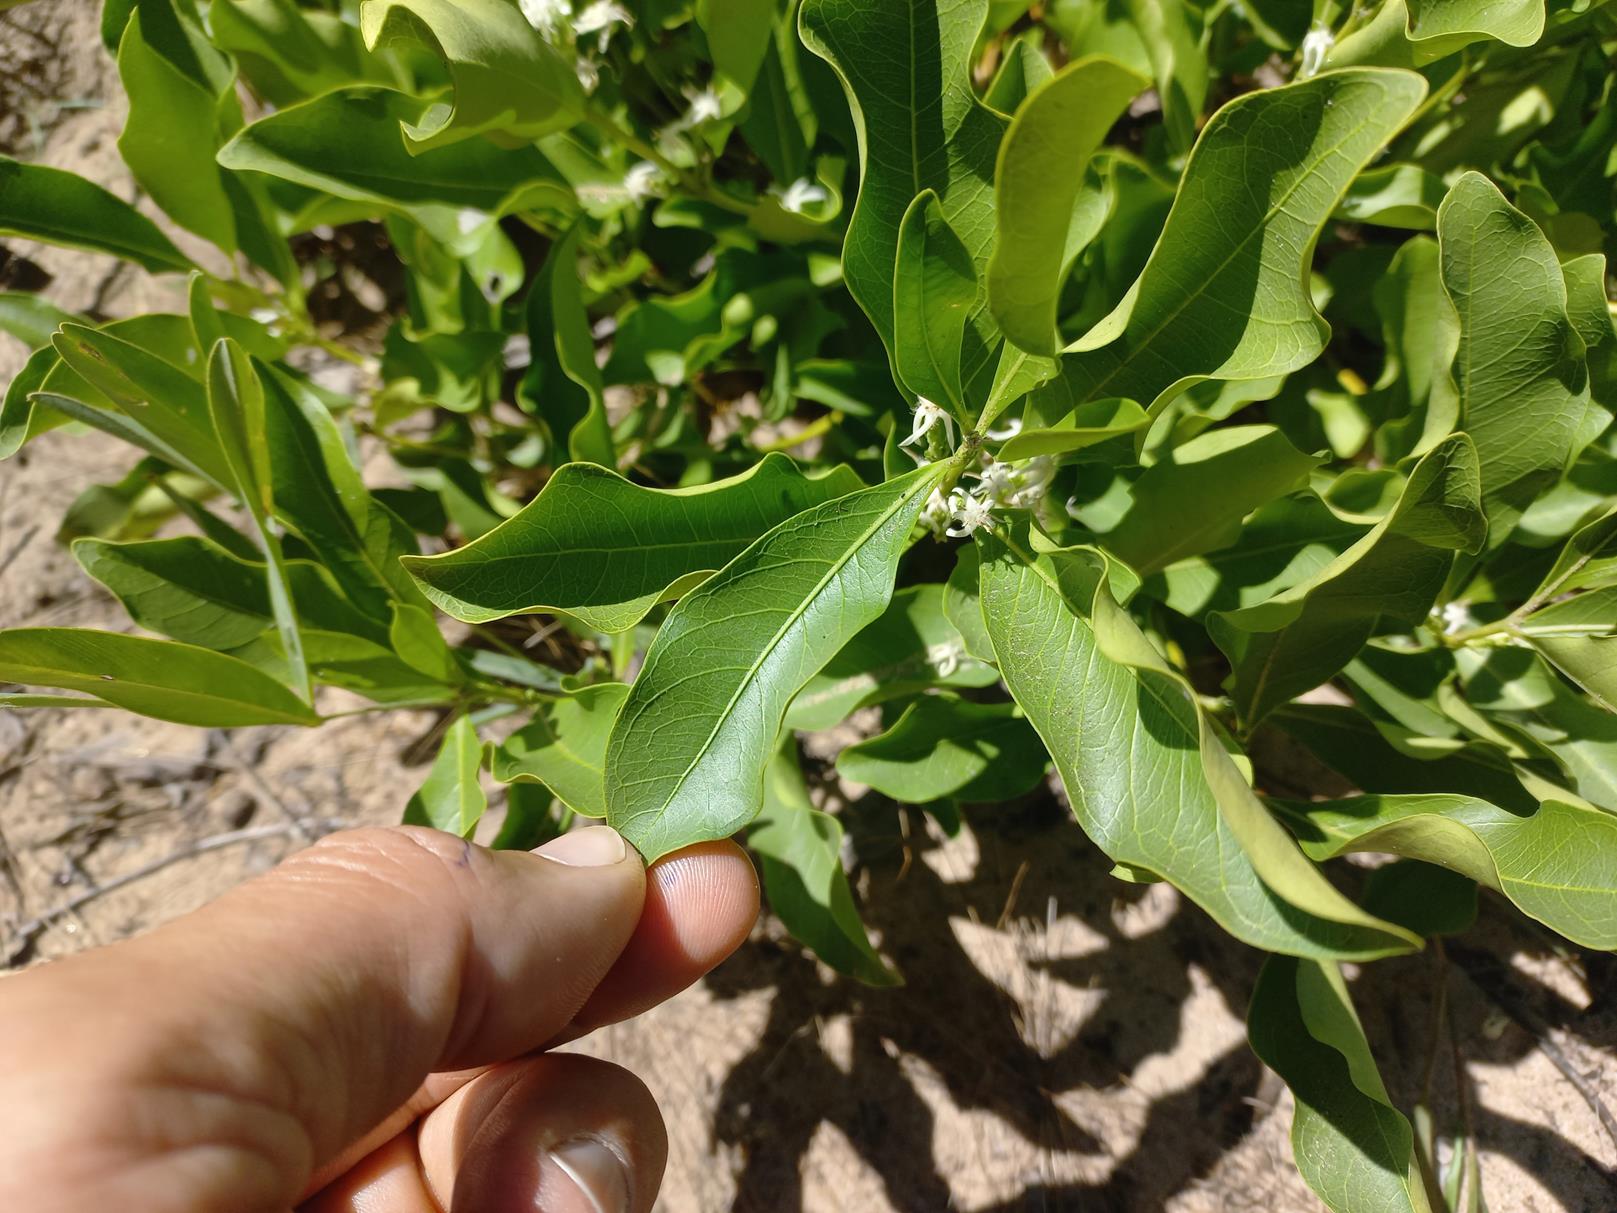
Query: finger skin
[[213, 1064], [700, 904]]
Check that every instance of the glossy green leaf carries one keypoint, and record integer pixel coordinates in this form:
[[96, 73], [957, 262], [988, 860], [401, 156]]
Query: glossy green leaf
[[920, 127], [1040, 172], [236, 404], [1523, 382], [1394, 195], [1224, 295], [291, 53], [1441, 27], [1194, 498], [944, 747], [1023, 68], [799, 853], [452, 797], [414, 636], [914, 646], [1355, 1149], [686, 759], [1090, 424], [605, 550], [564, 747], [1554, 863], [563, 381], [934, 288], [31, 319], [348, 144], [1302, 636], [505, 78], [1147, 776], [1170, 33], [59, 207], [159, 678]]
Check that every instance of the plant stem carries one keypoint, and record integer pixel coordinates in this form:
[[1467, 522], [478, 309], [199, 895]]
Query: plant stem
[[688, 181], [815, 429]]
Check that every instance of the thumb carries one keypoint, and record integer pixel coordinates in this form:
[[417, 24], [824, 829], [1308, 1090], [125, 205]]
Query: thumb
[[294, 1013]]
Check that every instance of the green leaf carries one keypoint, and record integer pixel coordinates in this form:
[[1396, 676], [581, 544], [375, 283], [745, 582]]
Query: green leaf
[[943, 746], [452, 797], [1194, 498], [1224, 294], [178, 85], [1090, 424], [563, 380], [1554, 863], [59, 207], [738, 36], [532, 818], [236, 404], [1148, 778], [1355, 1150], [1441, 27], [17, 701], [1526, 405], [505, 78], [1394, 195], [564, 747], [347, 143], [934, 288], [1283, 544], [963, 607], [1302, 636], [913, 647], [414, 636], [1023, 69], [291, 53], [686, 759], [158, 678], [799, 850], [1037, 183], [905, 67], [605, 550], [1178, 63], [30, 319]]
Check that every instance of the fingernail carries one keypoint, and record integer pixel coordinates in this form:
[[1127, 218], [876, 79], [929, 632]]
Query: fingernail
[[595, 847], [597, 1171]]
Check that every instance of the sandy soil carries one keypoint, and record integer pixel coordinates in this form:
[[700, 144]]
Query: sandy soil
[[1064, 1040]]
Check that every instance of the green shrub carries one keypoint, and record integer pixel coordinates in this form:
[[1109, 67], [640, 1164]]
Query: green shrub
[[1246, 352]]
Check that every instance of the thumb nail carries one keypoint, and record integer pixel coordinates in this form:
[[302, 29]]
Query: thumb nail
[[597, 1171], [595, 847]]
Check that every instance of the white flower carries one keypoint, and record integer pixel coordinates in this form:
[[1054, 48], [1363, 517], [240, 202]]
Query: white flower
[[546, 16], [1011, 428], [945, 657], [706, 106], [602, 17], [468, 220], [935, 514], [996, 481], [588, 72], [1317, 44], [643, 180], [800, 194], [1454, 617], [928, 415], [970, 514], [1032, 482]]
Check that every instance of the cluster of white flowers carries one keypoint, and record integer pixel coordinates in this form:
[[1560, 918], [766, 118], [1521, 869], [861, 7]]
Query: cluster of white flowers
[[945, 656], [706, 106], [1454, 617], [999, 485], [643, 180], [602, 18], [555, 23]]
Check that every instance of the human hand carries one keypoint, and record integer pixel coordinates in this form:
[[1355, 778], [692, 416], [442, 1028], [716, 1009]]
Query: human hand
[[359, 1029]]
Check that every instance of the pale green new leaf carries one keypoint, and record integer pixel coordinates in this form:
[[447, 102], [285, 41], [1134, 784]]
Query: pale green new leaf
[[605, 550], [1194, 498], [934, 288], [1555, 863], [506, 79], [1148, 778], [799, 850], [563, 382], [159, 678], [1224, 294], [59, 207], [452, 797], [1355, 1150], [943, 746], [905, 67], [1390, 578], [1524, 386], [1037, 180], [564, 747], [686, 759]]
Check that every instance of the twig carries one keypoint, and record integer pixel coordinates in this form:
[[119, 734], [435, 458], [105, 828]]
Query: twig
[[250, 772], [29, 931]]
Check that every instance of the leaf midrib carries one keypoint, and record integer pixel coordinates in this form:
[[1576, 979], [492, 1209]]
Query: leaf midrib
[[196, 698], [786, 626]]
